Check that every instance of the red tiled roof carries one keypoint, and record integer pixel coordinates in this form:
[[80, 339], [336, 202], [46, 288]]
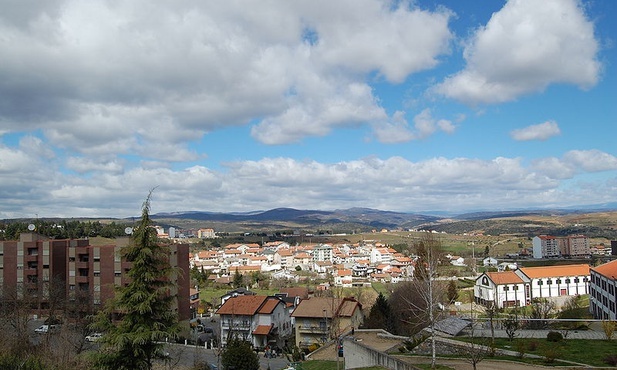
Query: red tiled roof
[[262, 330], [244, 305], [554, 271], [269, 306], [504, 277], [608, 269]]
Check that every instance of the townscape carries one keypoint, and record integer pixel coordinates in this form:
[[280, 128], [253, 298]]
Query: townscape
[[293, 301]]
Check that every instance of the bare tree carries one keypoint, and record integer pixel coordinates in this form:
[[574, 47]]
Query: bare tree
[[419, 302], [475, 351]]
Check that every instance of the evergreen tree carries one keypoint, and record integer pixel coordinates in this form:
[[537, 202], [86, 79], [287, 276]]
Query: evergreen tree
[[381, 316], [452, 291], [239, 355], [144, 307]]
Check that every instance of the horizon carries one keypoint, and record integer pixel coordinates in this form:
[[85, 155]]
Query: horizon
[[448, 106]]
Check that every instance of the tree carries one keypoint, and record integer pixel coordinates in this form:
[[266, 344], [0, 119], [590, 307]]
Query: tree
[[419, 302], [541, 310], [381, 316], [144, 307], [452, 291], [238, 355]]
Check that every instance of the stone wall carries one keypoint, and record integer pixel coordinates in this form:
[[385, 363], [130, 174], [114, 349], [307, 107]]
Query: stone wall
[[359, 355]]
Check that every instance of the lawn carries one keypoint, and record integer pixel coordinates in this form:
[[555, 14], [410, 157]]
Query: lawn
[[589, 352]]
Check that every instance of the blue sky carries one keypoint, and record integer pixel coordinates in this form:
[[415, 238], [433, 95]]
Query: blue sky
[[409, 106]]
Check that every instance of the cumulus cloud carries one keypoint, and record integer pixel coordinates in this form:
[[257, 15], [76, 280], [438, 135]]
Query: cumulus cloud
[[542, 131], [398, 130], [90, 73], [525, 47]]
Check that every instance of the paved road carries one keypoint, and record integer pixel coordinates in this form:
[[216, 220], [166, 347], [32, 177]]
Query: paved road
[[182, 356]]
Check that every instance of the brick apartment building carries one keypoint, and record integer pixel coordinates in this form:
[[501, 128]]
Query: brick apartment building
[[77, 268]]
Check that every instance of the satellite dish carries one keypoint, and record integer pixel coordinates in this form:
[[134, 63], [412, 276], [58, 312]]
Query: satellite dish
[[128, 230], [31, 227]]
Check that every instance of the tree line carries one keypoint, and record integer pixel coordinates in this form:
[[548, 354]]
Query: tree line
[[62, 229]]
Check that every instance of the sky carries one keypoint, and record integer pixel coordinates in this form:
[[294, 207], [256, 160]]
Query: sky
[[236, 106]]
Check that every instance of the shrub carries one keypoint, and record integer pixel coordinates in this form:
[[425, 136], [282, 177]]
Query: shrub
[[554, 336], [532, 345], [611, 360], [550, 354], [521, 348]]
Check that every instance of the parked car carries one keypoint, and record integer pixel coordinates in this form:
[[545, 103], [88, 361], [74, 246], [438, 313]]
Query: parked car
[[44, 329], [94, 337]]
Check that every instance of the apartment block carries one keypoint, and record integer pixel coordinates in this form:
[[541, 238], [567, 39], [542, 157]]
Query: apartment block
[[603, 296], [546, 246], [77, 270]]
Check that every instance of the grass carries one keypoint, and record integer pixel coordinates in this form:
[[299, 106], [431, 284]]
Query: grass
[[589, 352], [330, 365]]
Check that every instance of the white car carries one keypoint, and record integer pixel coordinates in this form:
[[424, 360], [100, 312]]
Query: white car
[[94, 337], [44, 329]]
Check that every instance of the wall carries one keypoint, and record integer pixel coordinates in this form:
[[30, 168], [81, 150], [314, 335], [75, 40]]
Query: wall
[[359, 355]]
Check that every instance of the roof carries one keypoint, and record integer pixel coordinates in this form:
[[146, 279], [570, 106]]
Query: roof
[[555, 271], [262, 330], [269, 305], [504, 277], [316, 307], [244, 305], [319, 307], [608, 269], [301, 292]]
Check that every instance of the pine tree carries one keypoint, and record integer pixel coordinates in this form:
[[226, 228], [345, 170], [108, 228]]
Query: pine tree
[[381, 316], [239, 355], [145, 307]]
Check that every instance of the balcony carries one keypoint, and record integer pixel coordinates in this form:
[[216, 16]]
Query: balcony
[[313, 329]]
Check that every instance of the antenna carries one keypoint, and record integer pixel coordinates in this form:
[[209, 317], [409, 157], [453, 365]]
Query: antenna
[[128, 230]]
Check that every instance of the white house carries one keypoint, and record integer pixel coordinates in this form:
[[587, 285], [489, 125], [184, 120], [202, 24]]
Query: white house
[[603, 291], [505, 289], [490, 262]]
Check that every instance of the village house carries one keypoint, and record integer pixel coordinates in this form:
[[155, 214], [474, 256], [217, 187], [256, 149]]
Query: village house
[[260, 320], [321, 319]]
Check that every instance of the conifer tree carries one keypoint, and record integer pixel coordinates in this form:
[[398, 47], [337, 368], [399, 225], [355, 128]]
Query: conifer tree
[[141, 315]]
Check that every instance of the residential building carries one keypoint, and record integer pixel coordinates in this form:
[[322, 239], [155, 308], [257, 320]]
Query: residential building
[[77, 270], [206, 234], [321, 319], [545, 246], [603, 291], [322, 253], [260, 320]]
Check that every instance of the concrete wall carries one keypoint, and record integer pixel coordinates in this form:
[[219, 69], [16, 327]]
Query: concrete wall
[[359, 355]]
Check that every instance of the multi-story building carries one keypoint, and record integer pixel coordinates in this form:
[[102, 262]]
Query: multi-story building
[[261, 320], [603, 295], [322, 253], [545, 246], [74, 269], [321, 319]]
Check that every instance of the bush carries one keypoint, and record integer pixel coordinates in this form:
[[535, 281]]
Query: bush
[[554, 336], [550, 354], [611, 360], [532, 345], [521, 348]]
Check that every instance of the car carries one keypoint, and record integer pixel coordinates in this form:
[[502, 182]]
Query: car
[[44, 329], [94, 337]]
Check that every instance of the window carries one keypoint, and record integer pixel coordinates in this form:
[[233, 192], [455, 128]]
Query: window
[[576, 280], [549, 281], [506, 288], [540, 282], [567, 281], [515, 287], [558, 281]]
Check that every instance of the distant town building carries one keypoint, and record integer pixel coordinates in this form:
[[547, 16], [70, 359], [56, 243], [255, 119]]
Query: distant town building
[[172, 232], [545, 246], [206, 234]]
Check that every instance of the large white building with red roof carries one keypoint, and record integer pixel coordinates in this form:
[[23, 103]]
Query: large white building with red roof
[[603, 296], [519, 287]]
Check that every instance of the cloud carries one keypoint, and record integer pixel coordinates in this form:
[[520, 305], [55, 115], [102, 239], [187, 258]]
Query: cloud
[[542, 131], [575, 162], [97, 77], [525, 47], [398, 131]]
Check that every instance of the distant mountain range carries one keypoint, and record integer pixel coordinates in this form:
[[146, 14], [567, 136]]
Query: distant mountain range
[[351, 219]]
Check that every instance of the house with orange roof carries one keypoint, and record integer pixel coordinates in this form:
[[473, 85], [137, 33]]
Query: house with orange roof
[[283, 257], [321, 319], [555, 281], [343, 277], [603, 291], [260, 320], [302, 259], [504, 289]]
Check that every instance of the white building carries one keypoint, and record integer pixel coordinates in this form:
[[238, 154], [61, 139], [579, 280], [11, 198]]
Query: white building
[[505, 289], [322, 253], [545, 246], [603, 291]]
